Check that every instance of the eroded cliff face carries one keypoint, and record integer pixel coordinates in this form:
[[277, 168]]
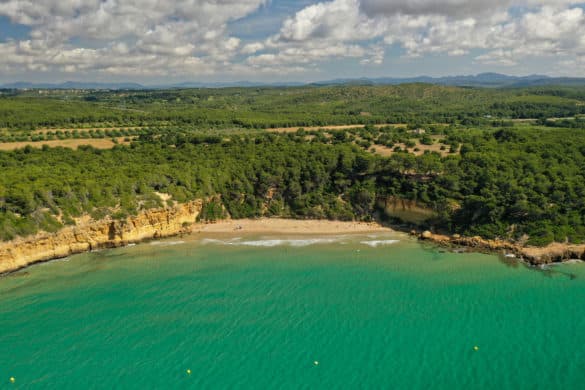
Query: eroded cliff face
[[406, 210], [106, 233]]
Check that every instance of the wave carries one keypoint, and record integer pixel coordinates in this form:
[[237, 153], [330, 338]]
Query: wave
[[291, 242], [295, 242], [376, 243], [167, 243], [233, 241], [269, 243]]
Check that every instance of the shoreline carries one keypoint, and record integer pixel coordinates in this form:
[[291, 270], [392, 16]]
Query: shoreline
[[179, 220], [24, 252]]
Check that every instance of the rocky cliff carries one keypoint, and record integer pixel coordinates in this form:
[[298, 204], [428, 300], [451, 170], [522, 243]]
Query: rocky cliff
[[106, 233]]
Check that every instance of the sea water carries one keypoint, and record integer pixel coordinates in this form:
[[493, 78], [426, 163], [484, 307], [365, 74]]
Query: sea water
[[291, 312]]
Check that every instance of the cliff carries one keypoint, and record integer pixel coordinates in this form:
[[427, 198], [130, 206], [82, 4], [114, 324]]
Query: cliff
[[406, 210], [170, 221], [106, 233]]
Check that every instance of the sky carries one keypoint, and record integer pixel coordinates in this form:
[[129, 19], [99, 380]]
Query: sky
[[156, 41]]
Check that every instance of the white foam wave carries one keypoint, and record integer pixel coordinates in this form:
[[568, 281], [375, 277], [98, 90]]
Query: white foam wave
[[206, 241], [290, 242], [167, 243], [269, 243], [377, 243]]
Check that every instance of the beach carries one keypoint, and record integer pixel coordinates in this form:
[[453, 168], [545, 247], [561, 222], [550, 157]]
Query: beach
[[91, 235], [290, 226]]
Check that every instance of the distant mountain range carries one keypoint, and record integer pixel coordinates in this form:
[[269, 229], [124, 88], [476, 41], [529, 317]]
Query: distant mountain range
[[493, 80], [72, 85], [481, 80]]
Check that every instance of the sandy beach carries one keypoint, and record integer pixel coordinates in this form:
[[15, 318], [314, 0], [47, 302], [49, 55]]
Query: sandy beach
[[289, 226]]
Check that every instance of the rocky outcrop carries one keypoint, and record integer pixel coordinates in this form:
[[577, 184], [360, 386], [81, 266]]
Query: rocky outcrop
[[553, 253], [106, 233], [426, 235]]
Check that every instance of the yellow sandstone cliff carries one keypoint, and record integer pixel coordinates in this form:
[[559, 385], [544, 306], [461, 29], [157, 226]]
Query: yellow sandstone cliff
[[106, 233], [406, 210]]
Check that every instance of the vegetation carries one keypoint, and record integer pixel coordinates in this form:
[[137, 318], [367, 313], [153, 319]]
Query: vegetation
[[282, 107], [482, 176]]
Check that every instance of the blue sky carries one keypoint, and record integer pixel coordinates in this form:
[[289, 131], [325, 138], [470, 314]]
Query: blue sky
[[152, 42]]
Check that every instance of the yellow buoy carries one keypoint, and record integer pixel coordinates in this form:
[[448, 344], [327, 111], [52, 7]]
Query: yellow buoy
[[316, 363], [476, 348], [12, 380], [188, 371]]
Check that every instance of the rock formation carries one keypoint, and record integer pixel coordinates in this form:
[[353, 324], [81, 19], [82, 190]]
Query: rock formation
[[553, 253], [106, 233]]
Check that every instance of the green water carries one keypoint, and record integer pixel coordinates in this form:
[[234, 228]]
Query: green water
[[239, 315]]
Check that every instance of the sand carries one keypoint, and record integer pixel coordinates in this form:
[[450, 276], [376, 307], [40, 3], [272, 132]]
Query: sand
[[289, 226]]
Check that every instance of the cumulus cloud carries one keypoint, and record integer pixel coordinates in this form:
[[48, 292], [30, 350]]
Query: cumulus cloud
[[506, 30], [181, 36], [191, 37], [321, 32], [454, 8]]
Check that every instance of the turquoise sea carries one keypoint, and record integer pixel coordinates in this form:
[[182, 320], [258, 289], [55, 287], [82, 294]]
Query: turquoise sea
[[279, 312]]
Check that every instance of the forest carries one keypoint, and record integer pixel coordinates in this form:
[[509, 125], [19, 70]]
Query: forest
[[260, 108], [459, 152]]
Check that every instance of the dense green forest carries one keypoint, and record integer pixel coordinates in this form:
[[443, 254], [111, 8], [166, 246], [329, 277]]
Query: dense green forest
[[465, 153], [280, 107], [520, 183]]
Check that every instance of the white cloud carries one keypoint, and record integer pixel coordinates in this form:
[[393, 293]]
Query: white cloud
[[306, 55], [191, 37], [175, 37], [252, 48], [421, 27], [339, 20]]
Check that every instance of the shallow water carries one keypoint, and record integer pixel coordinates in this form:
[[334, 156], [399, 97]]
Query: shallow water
[[375, 311]]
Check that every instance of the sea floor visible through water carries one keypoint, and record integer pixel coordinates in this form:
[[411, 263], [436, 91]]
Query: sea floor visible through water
[[254, 311]]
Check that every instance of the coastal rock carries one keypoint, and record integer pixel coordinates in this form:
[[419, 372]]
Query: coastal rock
[[106, 233], [426, 235], [553, 253]]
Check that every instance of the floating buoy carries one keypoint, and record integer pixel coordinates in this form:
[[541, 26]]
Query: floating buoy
[[188, 371], [476, 348], [12, 380], [316, 363]]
